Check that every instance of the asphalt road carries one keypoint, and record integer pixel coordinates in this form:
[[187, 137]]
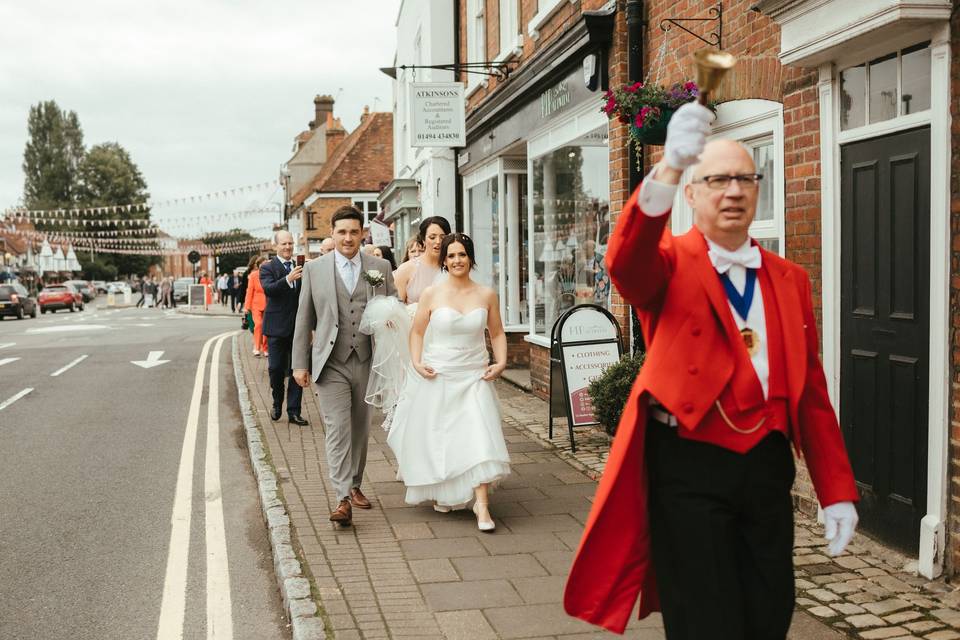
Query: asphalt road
[[93, 462]]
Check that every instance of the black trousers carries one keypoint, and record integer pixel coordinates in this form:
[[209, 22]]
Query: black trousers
[[721, 527], [278, 365]]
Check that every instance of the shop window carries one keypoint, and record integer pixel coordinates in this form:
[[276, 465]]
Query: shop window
[[758, 125], [570, 198], [484, 229], [894, 85], [476, 38]]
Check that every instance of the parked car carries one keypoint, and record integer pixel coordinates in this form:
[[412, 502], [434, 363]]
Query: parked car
[[85, 288], [118, 287], [60, 296], [181, 288], [100, 286], [15, 301]]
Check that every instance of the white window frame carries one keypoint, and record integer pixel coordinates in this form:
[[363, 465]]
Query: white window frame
[[511, 41], [545, 11], [749, 121], [476, 40], [578, 122]]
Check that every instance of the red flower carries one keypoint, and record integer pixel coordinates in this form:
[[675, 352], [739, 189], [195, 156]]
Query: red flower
[[690, 86], [633, 88], [638, 121], [611, 105]]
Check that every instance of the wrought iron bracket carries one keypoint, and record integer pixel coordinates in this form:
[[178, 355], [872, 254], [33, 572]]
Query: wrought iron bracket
[[500, 70], [715, 14]]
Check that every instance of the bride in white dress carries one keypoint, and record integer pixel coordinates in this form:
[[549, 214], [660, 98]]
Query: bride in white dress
[[446, 431]]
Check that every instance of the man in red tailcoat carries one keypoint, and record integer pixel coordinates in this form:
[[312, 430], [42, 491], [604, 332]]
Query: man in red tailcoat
[[693, 512]]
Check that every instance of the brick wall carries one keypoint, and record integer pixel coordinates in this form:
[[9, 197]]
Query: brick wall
[[324, 209], [953, 508]]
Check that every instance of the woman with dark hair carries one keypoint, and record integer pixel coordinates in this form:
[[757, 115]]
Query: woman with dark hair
[[416, 275], [446, 431], [385, 252]]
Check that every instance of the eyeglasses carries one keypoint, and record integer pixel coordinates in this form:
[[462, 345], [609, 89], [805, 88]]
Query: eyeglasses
[[746, 181]]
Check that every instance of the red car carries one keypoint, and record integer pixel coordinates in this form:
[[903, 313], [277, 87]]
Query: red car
[[60, 296]]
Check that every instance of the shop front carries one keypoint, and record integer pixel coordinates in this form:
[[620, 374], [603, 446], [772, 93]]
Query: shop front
[[536, 193]]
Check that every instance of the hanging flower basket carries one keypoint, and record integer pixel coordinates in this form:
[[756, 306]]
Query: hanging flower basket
[[647, 108]]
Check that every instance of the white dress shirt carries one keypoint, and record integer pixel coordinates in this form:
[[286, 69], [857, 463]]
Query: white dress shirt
[[656, 199], [349, 270]]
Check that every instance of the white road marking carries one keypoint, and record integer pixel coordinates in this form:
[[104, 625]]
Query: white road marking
[[4, 345], [4, 361], [219, 608], [153, 360], [69, 366], [6, 403], [69, 327], [173, 604]]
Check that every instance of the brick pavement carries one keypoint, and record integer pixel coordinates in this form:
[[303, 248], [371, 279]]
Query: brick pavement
[[410, 572]]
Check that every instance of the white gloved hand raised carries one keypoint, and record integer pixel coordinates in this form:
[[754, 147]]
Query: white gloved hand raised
[[686, 135], [839, 521]]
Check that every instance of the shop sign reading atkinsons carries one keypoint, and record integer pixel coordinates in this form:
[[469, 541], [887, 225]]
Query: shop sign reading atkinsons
[[437, 114]]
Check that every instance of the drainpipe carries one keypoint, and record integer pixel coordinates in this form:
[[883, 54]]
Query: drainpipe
[[635, 25], [457, 178]]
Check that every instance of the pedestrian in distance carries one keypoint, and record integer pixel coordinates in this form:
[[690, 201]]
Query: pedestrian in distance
[[412, 249], [386, 253], [280, 279], [256, 303], [336, 288], [223, 288], [232, 285], [143, 291], [693, 512], [326, 246]]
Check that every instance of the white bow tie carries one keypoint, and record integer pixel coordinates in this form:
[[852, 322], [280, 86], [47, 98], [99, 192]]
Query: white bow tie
[[747, 256]]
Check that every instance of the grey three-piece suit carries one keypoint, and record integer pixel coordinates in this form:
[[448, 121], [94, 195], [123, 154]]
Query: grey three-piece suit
[[340, 359]]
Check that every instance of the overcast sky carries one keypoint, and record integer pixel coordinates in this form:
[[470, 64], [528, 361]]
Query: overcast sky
[[206, 95]]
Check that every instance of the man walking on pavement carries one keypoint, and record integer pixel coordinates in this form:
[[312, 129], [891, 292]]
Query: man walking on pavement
[[336, 288], [280, 280], [693, 511]]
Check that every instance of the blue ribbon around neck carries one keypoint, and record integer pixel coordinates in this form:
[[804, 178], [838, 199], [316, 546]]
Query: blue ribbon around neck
[[741, 302]]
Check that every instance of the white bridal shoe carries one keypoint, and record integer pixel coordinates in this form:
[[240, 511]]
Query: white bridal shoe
[[442, 508], [480, 510]]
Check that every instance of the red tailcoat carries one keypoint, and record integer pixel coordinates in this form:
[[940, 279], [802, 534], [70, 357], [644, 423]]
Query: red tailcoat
[[685, 317]]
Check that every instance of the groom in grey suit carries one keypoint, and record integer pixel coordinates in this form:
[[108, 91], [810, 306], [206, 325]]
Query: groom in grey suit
[[333, 295]]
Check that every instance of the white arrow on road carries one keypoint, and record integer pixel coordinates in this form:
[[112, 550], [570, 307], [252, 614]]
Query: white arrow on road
[[152, 360], [4, 345], [4, 361]]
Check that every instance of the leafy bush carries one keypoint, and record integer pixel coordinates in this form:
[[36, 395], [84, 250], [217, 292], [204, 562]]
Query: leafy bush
[[609, 392]]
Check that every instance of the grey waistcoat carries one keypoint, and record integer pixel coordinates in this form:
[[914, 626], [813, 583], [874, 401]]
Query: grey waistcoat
[[350, 308]]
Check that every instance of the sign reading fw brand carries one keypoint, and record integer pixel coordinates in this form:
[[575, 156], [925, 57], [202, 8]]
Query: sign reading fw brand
[[437, 114]]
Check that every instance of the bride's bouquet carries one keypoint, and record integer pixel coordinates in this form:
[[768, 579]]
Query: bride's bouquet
[[389, 322]]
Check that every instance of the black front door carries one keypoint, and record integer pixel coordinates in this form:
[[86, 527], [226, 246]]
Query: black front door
[[885, 328]]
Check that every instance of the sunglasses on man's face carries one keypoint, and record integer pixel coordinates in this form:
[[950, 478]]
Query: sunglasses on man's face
[[719, 182]]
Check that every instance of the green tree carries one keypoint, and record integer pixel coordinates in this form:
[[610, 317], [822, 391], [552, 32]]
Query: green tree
[[52, 156], [229, 261], [108, 176]]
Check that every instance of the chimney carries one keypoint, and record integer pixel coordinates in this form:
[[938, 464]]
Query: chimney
[[365, 114], [322, 106], [335, 134]]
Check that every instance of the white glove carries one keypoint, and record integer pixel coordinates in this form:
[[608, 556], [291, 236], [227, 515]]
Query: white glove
[[686, 135], [839, 521]]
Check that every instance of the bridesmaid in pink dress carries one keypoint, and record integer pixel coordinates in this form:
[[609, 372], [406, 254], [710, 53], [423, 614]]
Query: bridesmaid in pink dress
[[413, 276]]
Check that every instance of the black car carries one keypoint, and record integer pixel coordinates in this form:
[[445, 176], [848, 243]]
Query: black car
[[15, 301]]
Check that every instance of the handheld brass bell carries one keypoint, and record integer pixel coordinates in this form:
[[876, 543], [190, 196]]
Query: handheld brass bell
[[712, 65]]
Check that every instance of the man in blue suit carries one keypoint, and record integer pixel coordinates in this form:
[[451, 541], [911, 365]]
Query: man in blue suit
[[280, 278]]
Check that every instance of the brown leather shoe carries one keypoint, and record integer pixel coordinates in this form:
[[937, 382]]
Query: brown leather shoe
[[343, 514], [358, 499]]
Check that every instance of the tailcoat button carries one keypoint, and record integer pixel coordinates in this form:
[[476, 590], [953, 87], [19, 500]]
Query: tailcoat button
[[692, 370], [695, 331], [688, 407]]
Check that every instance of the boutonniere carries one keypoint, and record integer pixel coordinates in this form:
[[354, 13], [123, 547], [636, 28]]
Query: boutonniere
[[373, 277]]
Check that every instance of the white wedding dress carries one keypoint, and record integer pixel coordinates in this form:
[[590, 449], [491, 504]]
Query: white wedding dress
[[445, 432]]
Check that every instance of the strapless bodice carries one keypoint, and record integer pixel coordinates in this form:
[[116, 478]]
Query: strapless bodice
[[456, 340]]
